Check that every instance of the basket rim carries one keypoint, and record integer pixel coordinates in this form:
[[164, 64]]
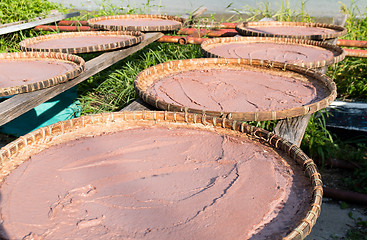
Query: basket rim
[[166, 68], [45, 134], [79, 66], [207, 45], [137, 38], [93, 23], [339, 30]]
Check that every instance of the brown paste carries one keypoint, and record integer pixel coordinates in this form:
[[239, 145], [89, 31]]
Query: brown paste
[[291, 30], [78, 42], [235, 90], [21, 72], [154, 183], [139, 22], [288, 53]]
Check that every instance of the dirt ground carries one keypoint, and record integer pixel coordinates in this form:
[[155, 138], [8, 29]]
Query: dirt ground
[[334, 222]]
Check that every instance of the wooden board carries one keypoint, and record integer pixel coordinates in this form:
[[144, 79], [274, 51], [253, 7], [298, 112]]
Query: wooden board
[[12, 27], [19, 104], [138, 105]]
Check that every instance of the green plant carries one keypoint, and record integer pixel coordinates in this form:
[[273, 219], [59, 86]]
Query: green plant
[[113, 89], [358, 231], [285, 13], [262, 10], [318, 141], [18, 10], [267, 125], [107, 8], [350, 75]]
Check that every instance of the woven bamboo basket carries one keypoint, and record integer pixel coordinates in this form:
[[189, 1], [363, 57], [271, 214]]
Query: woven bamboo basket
[[174, 23], [149, 76], [19, 151], [338, 53], [133, 38], [247, 29], [78, 68]]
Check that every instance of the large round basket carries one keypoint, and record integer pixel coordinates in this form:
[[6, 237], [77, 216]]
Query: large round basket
[[23, 72], [82, 42], [18, 157], [133, 22], [313, 31], [301, 52], [147, 79]]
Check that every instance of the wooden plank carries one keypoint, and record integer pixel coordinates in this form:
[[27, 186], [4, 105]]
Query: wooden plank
[[49, 19], [11, 24], [19, 104], [292, 129], [138, 105]]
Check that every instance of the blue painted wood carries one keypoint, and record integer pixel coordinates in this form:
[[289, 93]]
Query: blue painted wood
[[348, 115]]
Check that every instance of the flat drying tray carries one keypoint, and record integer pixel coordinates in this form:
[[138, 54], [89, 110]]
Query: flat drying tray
[[82, 42], [313, 31], [21, 150], [148, 79], [23, 72], [133, 22], [301, 52]]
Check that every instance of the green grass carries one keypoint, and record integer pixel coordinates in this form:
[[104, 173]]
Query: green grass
[[14, 11], [356, 232], [285, 13], [107, 8], [350, 75], [113, 89]]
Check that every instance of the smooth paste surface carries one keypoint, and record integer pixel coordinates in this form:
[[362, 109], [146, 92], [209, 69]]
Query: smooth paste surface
[[235, 90], [153, 183], [291, 30], [78, 42], [21, 72], [139, 22], [287, 53]]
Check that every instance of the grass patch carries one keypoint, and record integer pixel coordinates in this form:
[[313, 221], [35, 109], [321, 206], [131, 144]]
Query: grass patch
[[18, 10], [285, 13], [356, 232], [350, 75], [113, 89], [14, 11]]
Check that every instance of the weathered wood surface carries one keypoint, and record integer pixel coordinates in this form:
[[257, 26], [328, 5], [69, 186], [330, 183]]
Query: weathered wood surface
[[138, 105], [12, 27], [292, 129], [19, 104]]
